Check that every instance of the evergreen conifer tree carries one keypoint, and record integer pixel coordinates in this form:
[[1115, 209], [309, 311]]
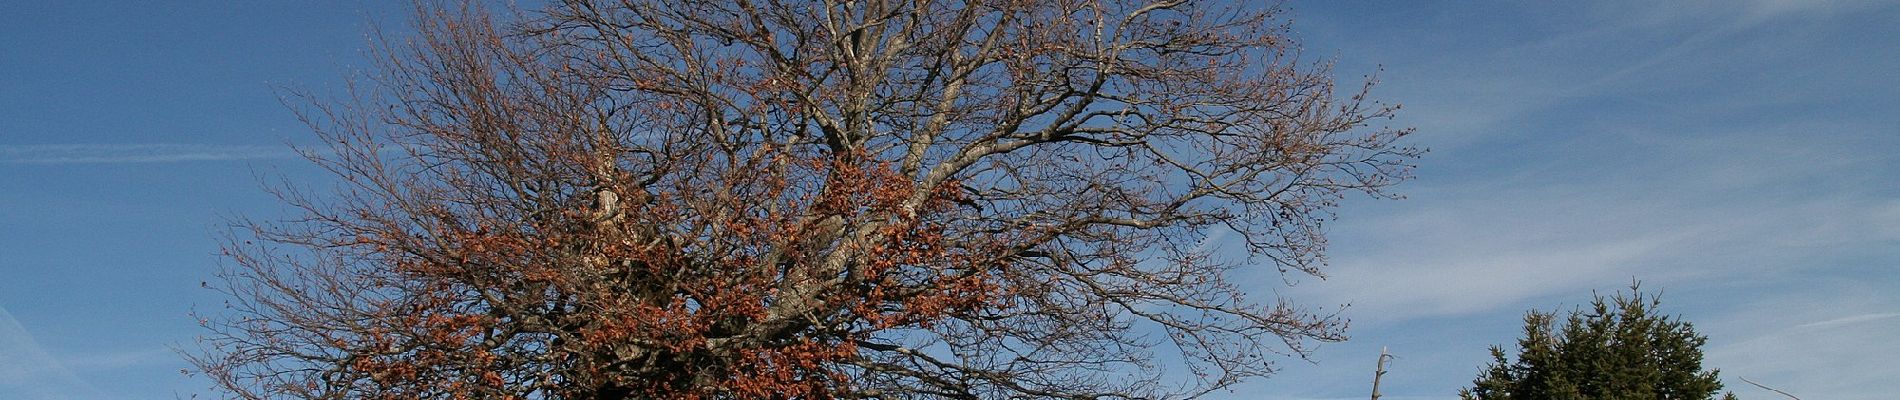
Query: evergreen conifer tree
[[1618, 348]]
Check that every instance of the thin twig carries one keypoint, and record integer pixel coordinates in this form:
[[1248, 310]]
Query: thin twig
[[1770, 389]]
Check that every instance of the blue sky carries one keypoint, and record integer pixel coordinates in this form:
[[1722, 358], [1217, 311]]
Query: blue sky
[[1738, 155]]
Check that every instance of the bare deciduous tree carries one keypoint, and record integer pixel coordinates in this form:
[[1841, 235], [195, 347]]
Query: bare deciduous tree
[[790, 199]]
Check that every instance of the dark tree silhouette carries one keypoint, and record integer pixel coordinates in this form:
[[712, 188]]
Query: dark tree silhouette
[[791, 199], [1620, 348]]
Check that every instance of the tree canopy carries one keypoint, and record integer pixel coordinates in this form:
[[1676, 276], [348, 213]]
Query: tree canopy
[[792, 199], [1620, 347]]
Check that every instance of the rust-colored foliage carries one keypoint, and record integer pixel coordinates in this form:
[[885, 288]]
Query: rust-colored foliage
[[763, 199]]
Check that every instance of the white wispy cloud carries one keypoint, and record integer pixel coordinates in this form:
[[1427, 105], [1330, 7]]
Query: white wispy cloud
[[1762, 217], [1855, 319], [1826, 344], [1461, 96], [1673, 192], [136, 153], [119, 359], [1688, 212], [29, 372]]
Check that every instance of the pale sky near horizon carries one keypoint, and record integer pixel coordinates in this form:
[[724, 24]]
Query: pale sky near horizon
[[1742, 157]]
